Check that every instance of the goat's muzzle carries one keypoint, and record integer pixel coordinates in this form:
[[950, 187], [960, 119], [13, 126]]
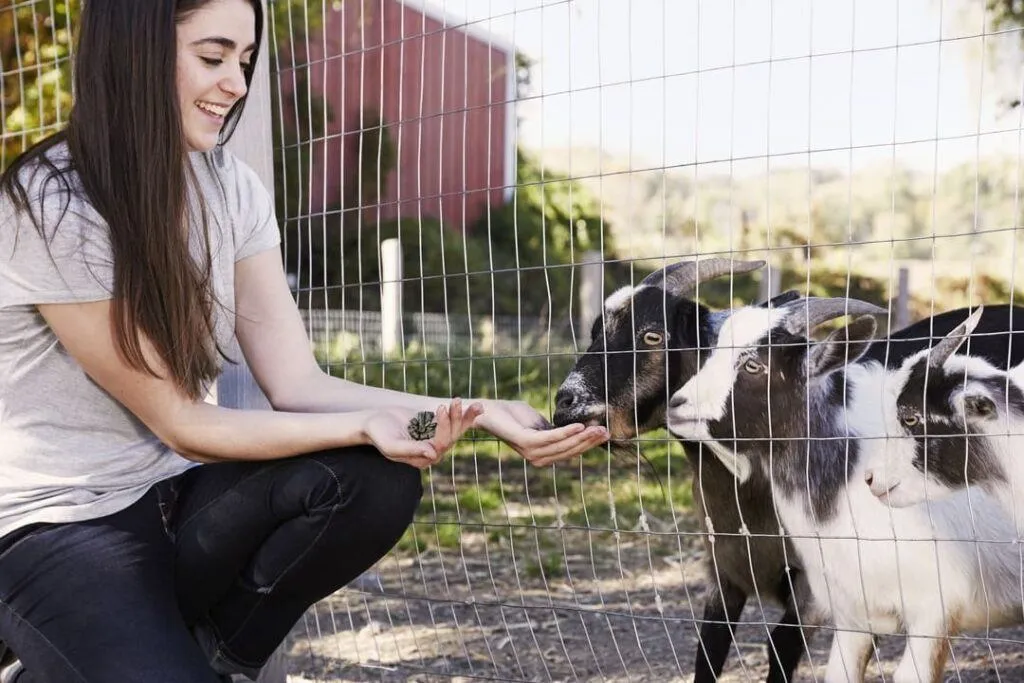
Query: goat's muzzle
[[571, 407], [881, 485]]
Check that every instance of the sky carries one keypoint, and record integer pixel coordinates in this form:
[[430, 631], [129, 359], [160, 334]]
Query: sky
[[674, 82]]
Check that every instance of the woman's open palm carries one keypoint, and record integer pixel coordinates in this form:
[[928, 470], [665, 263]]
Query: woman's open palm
[[388, 431]]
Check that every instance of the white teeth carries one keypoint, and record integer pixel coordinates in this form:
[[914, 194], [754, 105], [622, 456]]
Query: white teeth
[[215, 109]]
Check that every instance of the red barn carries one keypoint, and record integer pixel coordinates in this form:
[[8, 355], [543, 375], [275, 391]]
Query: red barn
[[444, 90]]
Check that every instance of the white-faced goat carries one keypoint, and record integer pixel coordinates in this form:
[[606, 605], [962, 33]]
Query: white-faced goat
[[953, 421], [648, 343], [771, 403]]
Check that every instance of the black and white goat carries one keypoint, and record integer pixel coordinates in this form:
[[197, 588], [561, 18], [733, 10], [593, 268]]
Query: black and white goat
[[771, 403], [952, 421], [647, 344]]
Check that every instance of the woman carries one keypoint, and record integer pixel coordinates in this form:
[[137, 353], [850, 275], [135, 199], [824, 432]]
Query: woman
[[146, 535]]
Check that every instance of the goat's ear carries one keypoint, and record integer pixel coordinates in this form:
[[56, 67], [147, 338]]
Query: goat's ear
[[979, 407], [692, 322], [843, 346]]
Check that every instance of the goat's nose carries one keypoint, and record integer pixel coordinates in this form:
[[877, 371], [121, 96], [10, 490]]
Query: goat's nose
[[880, 484], [564, 399], [677, 401]]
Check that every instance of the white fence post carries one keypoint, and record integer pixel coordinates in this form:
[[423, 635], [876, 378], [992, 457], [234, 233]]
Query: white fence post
[[591, 294], [392, 338]]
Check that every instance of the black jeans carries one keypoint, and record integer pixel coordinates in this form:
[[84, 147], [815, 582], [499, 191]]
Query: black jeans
[[206, 574]]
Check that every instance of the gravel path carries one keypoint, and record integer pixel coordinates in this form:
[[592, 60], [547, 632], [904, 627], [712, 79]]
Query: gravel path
[[617, 609]]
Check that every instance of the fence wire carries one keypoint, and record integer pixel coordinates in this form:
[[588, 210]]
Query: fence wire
[[465, 187]]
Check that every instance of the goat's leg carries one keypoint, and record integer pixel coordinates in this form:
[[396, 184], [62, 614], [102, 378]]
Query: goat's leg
[[785, 648], [848, 658], [723, 608], [786, 641], [924, 657]]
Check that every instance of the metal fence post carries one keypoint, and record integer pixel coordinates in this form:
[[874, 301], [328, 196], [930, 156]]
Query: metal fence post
[[252, 142], [771, 282], [591, 295], [902, 312]]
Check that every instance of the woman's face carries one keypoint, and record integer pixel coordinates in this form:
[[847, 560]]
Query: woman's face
[[215, 43]]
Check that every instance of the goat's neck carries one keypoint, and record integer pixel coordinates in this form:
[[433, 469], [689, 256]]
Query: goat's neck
[[810, 458]]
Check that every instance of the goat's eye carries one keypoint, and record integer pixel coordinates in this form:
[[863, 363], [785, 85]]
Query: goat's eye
[[652, 339], [752, 366], [910, 420]]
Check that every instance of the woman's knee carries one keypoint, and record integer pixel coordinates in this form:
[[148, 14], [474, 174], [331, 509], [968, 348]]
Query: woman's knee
[[381, 491], [357, 505]]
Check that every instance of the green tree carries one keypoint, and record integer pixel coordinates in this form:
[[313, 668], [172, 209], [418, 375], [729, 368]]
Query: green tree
[[1006, 15], [35, 51], [538, 235]]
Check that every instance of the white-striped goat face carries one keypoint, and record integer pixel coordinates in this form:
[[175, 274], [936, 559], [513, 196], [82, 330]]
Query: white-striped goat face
[[887, 448], [931, 441], [705, 397]]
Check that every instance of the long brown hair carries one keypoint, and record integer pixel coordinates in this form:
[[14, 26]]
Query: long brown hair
[[127, 147]]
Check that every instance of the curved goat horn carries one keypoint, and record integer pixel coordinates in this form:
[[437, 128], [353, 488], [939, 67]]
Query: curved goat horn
[[803, 315], [681, 279], [952, 341]]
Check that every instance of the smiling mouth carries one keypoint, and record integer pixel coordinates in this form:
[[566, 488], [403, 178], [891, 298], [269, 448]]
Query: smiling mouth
[[214, 111]]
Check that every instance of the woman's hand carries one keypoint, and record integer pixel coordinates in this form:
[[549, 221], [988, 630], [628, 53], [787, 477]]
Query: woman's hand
[[531, 435], [387, 431]]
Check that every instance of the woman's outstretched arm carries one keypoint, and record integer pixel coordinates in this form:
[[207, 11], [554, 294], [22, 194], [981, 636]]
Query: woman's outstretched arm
[[277, 348], [207, 433]]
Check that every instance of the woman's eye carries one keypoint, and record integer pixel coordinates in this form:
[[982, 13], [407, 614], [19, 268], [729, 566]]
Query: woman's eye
[[752, 366], [212, 61], [652, 338]]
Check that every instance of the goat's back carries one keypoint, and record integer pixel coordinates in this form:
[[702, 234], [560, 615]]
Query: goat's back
[[998, 337]]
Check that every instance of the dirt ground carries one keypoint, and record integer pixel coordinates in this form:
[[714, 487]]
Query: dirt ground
[[616, 607]]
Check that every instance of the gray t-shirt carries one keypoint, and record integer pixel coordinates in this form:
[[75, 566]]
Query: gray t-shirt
[[68, 450]]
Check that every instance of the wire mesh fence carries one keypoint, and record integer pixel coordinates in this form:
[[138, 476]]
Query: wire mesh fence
[[502, 148]]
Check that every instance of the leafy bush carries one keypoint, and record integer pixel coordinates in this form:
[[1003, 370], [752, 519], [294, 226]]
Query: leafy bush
[[458, 371], [35, 86], [518, 260], [441, 271]]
